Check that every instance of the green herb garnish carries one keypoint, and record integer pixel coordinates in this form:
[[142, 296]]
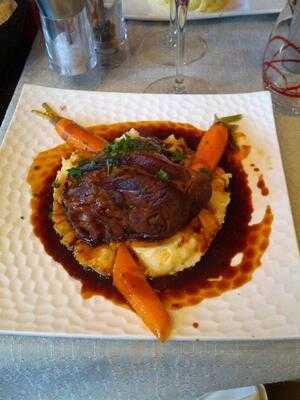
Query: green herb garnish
[[229, 119], [75, 172], [109, 166], [232, 128], [127, 144], [114, 151], [206, 171], [83, 162], [163, 175], [56, 184], [87, 165], [178, 156]]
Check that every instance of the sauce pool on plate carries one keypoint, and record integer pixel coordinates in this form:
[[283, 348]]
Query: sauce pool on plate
[[212, 276]]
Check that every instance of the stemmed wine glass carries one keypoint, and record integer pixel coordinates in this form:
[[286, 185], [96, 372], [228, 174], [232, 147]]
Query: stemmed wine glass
[[179, 83], [161, 45]]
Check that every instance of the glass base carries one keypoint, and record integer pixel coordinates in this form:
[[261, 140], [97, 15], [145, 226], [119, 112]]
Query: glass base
[[125, 50], [191, 85], [113, 57], [160, 48], [245, 393]]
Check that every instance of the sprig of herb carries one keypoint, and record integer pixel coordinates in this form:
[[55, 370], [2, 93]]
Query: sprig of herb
[[84, 162], [177, 156], [206, 171], [109, 165], [231, 126], [229, 119], [83, 166], [163, 175], [127, 144], [75, 172], [56, 184], [88, 165], [114, 151]]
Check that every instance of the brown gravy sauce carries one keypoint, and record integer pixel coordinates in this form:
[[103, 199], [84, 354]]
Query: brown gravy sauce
[[212, 276], [255, 168], [261, 184]]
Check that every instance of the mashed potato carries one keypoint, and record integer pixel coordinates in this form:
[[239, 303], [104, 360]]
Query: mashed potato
[[165, 257]]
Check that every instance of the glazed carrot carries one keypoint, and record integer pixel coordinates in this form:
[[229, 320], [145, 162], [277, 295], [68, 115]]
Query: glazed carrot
[[129, 279], [72, 133], [78, 137], [211, 147]]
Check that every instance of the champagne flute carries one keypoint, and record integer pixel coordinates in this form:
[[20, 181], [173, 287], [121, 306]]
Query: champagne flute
[[160, 46], [179, 83]]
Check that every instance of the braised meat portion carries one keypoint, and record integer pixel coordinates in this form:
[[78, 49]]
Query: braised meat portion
[[145, 197]]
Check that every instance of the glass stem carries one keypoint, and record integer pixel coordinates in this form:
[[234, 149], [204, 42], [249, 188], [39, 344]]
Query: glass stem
[[172, 26], [181, 14]]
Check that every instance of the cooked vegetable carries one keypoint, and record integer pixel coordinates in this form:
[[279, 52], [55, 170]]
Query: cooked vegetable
[[206, 171], [177, 156], [211, 147], [56, 184], [72, 133], [163, 175], [229, 119], [230, 122], [119, 148], [74, 172], [126, 144], [130, 280]]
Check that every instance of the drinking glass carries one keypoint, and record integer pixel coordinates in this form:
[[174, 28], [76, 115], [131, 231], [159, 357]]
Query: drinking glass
[[161, 45], [110, 31], [243, 393], [281, 63], [179, 83]]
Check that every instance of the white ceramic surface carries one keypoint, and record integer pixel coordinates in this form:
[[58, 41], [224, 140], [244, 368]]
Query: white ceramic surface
[[38, 296], [150, 10], [243, 393]]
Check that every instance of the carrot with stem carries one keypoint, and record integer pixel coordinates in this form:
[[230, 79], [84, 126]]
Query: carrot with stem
[[129, 279], [214, 142], [211, 147], [72, 133]]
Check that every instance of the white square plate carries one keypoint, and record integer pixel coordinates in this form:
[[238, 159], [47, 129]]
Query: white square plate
[[38, 296], [157, 10]]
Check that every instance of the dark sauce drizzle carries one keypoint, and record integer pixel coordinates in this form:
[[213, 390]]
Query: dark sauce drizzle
[[262, 186], [212, 276], [92, 283], [216, 263]]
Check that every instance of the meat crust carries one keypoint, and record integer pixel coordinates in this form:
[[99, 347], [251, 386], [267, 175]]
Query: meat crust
[[134, 202]]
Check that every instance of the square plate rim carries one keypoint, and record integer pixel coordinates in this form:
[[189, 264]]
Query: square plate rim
[[145, 337]]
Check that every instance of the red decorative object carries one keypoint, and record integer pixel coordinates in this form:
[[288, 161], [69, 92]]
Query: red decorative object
[[281, 63], [275, 63]]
